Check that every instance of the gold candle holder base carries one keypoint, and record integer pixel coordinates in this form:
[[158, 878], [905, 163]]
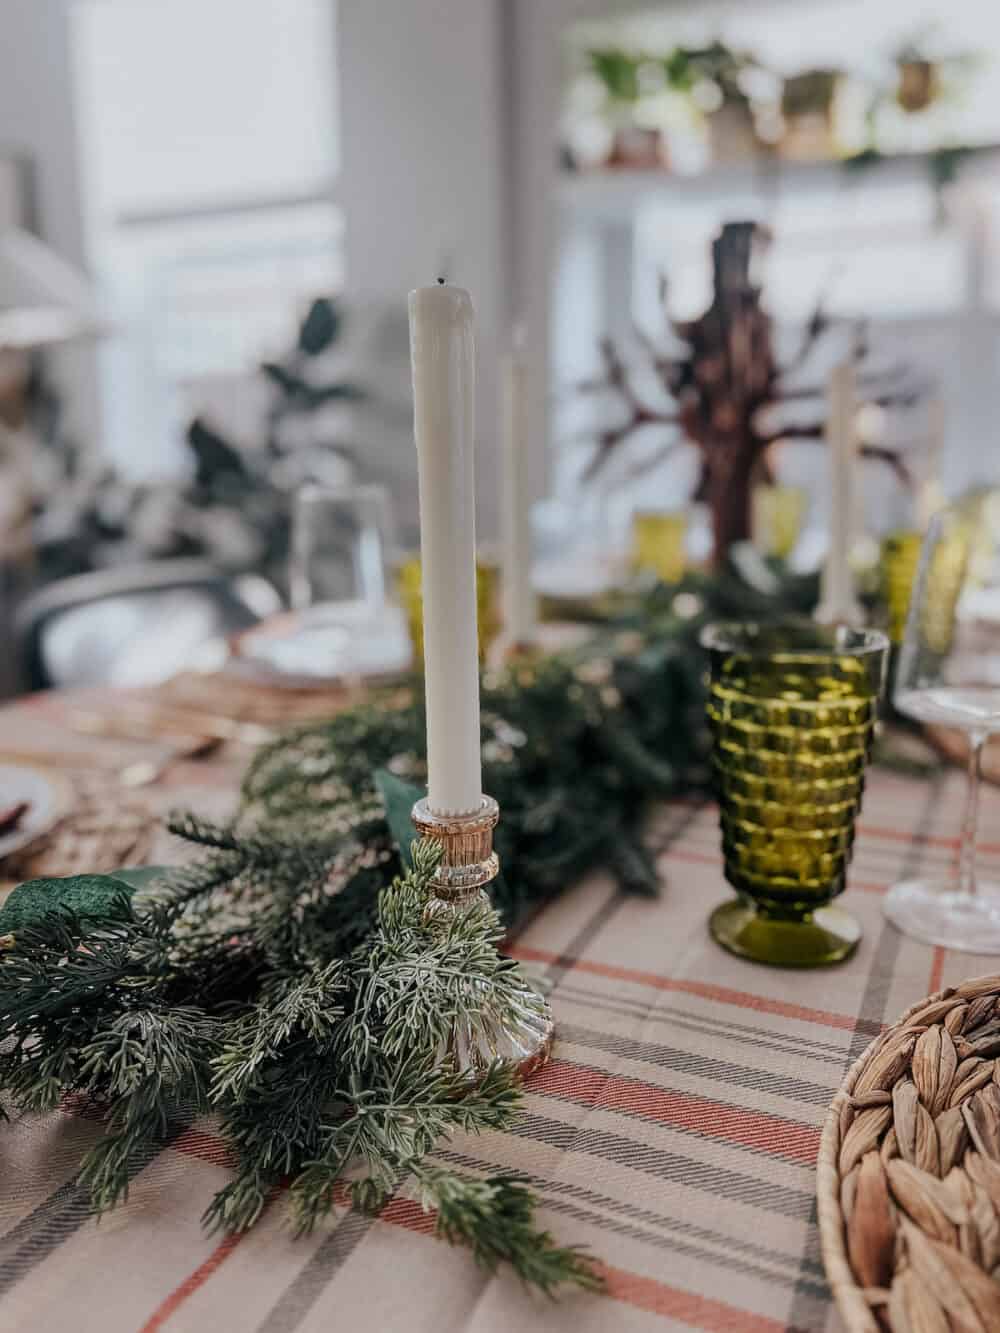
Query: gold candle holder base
[[519, 1035]]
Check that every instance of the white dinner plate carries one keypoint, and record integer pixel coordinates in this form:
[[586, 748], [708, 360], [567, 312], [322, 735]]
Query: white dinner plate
[[48, 795], [316, 647]]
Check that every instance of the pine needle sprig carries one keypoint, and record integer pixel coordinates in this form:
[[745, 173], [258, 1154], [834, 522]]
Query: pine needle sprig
[[495, 1219], [46, 974], [149, 1065], [307, 1007]]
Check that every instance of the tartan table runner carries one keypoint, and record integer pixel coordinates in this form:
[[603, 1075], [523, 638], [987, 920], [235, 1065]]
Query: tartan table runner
[[674, 1133]]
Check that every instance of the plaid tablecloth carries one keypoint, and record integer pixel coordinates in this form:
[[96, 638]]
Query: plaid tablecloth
[[674, 1132]]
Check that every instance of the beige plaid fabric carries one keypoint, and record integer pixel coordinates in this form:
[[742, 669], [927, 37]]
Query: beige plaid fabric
[[674, 1133]]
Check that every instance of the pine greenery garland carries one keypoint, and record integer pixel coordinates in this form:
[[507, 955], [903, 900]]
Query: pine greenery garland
[[288, 982]]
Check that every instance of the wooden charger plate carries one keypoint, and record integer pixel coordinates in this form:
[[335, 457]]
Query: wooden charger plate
[[908, 1177]]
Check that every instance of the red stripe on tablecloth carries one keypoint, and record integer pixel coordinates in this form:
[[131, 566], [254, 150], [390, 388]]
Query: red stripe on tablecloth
[[172, 1303], [600, 1090], [866, 886], [409, 1214], [706, 990], [701, 1312], [205, 1146], [903, 835], [931, 840], [750, 1129], [683, 854]]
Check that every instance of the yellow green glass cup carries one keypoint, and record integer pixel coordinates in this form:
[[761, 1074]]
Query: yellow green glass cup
[[408, 589], [792, 708], [898, 561], [658, 544], [777, 513]]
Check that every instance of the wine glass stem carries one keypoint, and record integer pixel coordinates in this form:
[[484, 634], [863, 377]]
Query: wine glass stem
[[970, 818]]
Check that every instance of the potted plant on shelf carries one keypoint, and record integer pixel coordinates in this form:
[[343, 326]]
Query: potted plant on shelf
[[807, 106], [715, 78], [918, 81], [923, 79], [633, 145]]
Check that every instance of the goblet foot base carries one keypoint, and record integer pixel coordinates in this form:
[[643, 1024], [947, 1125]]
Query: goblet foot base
[[828, 935], [936, 913]]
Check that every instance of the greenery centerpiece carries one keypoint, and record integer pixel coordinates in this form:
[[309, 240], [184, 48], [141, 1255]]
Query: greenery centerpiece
[[289, 981]]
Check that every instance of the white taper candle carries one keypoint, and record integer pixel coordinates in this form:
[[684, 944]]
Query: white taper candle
[[518, 598], [837, 600], [443, 354]]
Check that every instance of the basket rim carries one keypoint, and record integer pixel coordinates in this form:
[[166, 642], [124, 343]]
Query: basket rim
[[854, 1309]]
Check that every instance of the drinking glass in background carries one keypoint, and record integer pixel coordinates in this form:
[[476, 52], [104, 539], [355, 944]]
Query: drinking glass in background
[[659, 542], [948, 675], [409, 588], [340, 539], [792, 709], [344, 624], [778, 513], [899, 558]]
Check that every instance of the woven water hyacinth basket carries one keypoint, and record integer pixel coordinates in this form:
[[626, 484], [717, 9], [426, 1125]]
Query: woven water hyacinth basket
[[908, 1176]]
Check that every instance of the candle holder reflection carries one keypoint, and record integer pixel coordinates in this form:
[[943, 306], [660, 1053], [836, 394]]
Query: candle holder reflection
[[518, 1034]]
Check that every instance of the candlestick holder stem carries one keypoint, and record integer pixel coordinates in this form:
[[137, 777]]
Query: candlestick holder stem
[[514, 1031]]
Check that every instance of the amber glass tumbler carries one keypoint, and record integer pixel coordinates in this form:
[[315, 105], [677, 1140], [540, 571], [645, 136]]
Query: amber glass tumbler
[[898, 561], [409, 592], [792, 708], [658, 544]]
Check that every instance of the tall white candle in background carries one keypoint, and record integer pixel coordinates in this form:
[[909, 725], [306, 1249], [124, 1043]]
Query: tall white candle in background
[[518, 598], [930, 494], [443, 354], [837, 600]]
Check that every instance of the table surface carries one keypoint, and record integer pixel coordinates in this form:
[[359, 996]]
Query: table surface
[[674, 1132]]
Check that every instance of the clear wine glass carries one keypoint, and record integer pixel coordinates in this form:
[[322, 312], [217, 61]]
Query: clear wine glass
[[340, 539], [948, 675], [344, 625]]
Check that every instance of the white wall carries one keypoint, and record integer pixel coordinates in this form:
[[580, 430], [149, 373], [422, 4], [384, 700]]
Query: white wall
[[37, 119], [423, 173]]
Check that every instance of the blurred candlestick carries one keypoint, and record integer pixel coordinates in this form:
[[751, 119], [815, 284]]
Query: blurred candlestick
[[442, 346], [837, 601], [519, 612], [930, 496]]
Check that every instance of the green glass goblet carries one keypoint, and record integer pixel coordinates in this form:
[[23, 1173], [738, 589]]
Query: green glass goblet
[[792, 708]]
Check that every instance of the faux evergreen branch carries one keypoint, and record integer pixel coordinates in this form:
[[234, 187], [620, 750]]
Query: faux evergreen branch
[[495, 1218], [290, 980]]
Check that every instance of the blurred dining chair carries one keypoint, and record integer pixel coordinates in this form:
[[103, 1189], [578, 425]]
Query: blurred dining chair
[[134, 626]]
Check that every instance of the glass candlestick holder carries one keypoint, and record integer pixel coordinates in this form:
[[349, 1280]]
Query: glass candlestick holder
[[511, 1024]]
